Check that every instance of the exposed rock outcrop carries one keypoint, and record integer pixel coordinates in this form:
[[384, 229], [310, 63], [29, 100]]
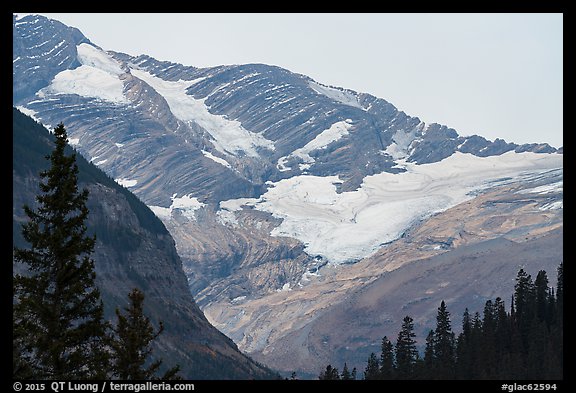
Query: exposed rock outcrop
[[133, 249]]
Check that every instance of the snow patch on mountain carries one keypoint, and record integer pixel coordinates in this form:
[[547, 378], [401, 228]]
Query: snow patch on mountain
[[227, 213], [91, 56], [126, 182], [219, 160], [399, 148], [86, 81], [185, 204], [230, 137], [321, 141], [97, 77], [343, 96], [346, 227], [29, 112]]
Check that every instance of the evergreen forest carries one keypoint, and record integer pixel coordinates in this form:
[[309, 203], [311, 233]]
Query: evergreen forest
[[523, 343]]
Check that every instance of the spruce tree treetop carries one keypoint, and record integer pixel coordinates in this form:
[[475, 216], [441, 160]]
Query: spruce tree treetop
[[466, 323], [330, 374], [346, 376], [444, 344], [59, 329], [372, 371], [542, 293], [406, 351], [560, 294], [523, 293], [387, 367], [131, 347]]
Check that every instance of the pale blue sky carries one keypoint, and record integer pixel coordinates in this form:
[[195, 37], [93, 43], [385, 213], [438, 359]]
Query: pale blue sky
[[495, 75]]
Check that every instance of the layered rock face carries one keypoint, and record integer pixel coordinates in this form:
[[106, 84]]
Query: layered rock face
[[133, 250], [286, 197]]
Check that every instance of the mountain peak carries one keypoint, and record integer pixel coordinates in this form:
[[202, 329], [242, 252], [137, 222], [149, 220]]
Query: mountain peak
[[42, 48]]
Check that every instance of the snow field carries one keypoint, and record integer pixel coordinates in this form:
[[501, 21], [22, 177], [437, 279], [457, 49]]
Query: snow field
[[349, 226], [186, 205], [97, 77], [229, 135]]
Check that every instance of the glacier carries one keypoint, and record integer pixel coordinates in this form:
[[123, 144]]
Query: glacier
[[229, 136], [349, 226]]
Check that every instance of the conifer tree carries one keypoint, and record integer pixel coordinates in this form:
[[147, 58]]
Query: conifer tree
[[466, 323], [406, 352], [486, 349], [523, 296], [372, 371], [131, 346], [542, 293], [353, 374], [387, 359], [463, 348], [429, 357], [502, 332], [330, 374], [58, 314], [346, 376], [444, 345], [558, 330], [560, 287]]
